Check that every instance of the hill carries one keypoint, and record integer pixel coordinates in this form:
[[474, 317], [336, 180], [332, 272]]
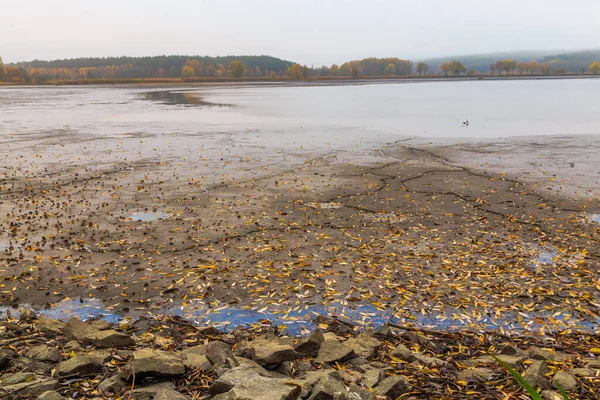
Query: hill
[[481, 62]]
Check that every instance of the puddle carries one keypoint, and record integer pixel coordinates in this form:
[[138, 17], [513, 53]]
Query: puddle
[[330, 205], [545, 256], [595, 218], [298, 320], [9, 246], [149, 216]]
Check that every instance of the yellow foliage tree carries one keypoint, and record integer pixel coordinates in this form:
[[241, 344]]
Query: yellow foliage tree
[[187, 72], [390, 69], [236, 69], [595, 67]]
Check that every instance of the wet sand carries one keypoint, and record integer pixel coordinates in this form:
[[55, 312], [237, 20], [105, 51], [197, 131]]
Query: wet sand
[[482, 234]]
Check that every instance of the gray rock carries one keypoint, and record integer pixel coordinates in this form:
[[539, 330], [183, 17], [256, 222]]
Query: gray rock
[[270, 353], [50, 395], [169, 394], [44, 353], [113, 385], [329, 388], [333, 325], [196, 361], [200, 350], [50, 326], [80, 364], [583, 372], [386, 331], [510, 350], [28, 389], [551, 395], [309, 346], [100, 324], [349, 376], [431, 362], [6, 356], [538, 367], [27, 315], [537, 381], [372, 377], [566, 380], [476, 374], [219, 353], [87, 334], [17, 377], [594, 364], [148, 392], [73, 345], [419, 338], [393, 386], [287, 368], [148, 362], [402, 352], [512, 361], [360, 393], [364, 345], [259, 387], [332, 351], [535, 353], [234, 376], [39, 367]]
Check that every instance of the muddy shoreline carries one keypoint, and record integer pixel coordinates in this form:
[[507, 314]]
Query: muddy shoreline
[[409, 231]]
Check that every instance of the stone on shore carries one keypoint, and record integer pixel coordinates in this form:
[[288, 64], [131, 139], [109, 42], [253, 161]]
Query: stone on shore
[[87, 334], [566, 380], [328, 388], [50, 395], [236, 375], [28, 389], [50, 326], [476, 374], [259, 387], [149, 362], [393, 386], [196, 361], [44, 353], [169, 394], [112, 385], [334, 351], [80, 364], [364, 345], [269, 353], [219, 353], [148, 392], [309, 346]]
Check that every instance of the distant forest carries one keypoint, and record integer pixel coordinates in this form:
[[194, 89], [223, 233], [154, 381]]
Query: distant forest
[[191, 68]]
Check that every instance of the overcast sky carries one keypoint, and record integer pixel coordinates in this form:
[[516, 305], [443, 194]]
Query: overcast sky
[[307, 31]]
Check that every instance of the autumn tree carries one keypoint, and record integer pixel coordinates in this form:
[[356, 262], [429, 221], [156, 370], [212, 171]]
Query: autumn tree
[[509, 66], [454, 68], [197, 66], [523, 67], [2, 73], [236, 69], [354, 71], [595, 67], [187, 72], [295, 72], [532, 67], [390, 69], [335, 69], [422, 68], [545, 69]]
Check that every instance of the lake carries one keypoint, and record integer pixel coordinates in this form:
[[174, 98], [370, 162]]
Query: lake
[[313, 116]]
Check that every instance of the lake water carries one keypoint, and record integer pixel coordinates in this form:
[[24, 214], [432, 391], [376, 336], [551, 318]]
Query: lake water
[[310, 115]]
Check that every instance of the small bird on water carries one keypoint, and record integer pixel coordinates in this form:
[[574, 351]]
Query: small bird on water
[[466, 123]]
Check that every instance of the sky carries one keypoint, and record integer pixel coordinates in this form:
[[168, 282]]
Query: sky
[[312, 32]]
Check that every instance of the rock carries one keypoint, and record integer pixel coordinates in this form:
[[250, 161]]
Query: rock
[[112, 385], [80, 364], [535, 353], [39, 367], [219, 353], [236, 375], [28, 389], [594, 364], [349, 376], [50, 326], [50, 395], [333, 336], [357, 361], [27, 315], [309, 346], [393, 386], [147, 392], [333, 325], [269, 353], [329, 388], [537, 381], [148, 362], [385, 331], [6, 356], [402, 352], [200, 350], [551, 395], [17, 377], [44, 353], [287, 368], [510, 350], [512, 361], [360, 393], [476, 374], [538, 367], [419, 338], [259, 387], [332, 351], [566, 380], [100, 324], [169, 394], [87, 334], [196, 361], [372, 377], [583, 372], [73, 345], [431, 362], [364, 345]]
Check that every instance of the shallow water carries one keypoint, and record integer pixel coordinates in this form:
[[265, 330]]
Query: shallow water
[[149, 216], [314, 117]]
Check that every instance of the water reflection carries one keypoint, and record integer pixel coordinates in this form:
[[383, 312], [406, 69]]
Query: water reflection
[[149, 216], [595, 218], [187, 98], [298, 320]]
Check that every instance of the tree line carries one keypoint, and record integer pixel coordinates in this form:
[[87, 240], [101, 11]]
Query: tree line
[[191, 68]]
